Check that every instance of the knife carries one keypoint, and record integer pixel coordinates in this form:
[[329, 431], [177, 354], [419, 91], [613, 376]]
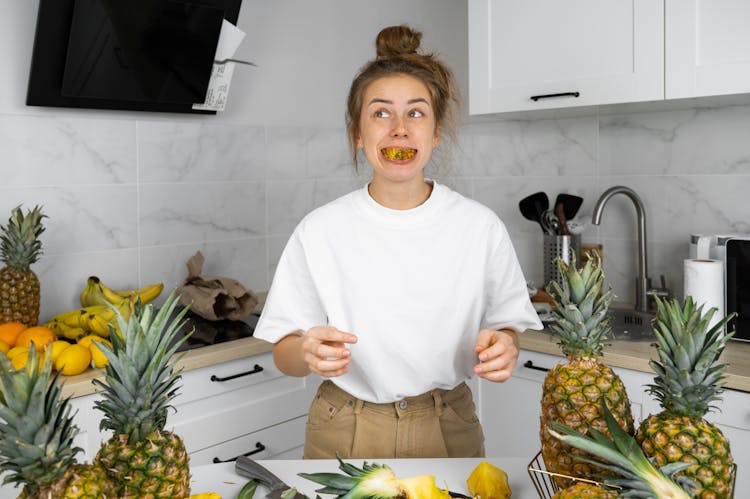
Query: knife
[[277, 488]]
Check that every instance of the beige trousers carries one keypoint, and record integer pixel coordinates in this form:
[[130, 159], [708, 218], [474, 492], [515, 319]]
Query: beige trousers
[[440, 423]]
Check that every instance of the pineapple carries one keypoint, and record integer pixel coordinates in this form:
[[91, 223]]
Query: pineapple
[[19, 248], [376, 481], [584, 490], [36, 437], [573, 391], [142, 457], [686, 385], [636, 476]]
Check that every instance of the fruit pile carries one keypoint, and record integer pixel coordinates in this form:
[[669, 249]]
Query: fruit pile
[[72, 340], [141, 459], [97, 312], [587, 430]]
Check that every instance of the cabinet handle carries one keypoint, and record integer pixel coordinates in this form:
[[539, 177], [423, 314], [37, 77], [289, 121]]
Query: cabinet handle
[[259, 447], [531, 365], [550, 96], [256, 369]]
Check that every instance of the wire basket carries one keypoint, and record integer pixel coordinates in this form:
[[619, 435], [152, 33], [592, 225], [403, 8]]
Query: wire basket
[[546, 487]]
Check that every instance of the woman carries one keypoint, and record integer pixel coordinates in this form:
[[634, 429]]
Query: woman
[[398, 292]]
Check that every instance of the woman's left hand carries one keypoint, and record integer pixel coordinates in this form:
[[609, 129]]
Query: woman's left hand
[[498, 353]]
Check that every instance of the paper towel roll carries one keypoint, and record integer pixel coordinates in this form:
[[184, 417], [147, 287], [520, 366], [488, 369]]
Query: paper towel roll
[[704, 281]]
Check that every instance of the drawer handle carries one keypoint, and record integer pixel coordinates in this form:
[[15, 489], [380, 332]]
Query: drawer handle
[[531, 365], [259, 447], [550, 96], [256, 369]]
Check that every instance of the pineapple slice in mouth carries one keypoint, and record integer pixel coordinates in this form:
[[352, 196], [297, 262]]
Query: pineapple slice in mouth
[[398, 153]]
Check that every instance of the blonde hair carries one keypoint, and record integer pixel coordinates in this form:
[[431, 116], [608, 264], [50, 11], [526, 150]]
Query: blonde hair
[[397, 49]]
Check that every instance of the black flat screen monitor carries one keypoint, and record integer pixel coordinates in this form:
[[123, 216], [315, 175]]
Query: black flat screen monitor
[[144, 55], [737, 268]]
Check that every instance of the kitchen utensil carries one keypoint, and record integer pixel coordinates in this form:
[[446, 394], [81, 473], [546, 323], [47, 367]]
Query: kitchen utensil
[[550, 223], [251, 469], [560, 213], [570, 204], [533, 207]]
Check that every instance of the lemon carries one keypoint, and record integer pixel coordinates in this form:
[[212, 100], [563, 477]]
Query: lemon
[[4, 347], [73, 360], [16, 351], [86, 340], [98, 359], [19, 361], [56, 348]]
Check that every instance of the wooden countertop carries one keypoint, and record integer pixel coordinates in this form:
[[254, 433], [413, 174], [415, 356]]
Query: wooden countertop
[[80, 385], [629, 355], [636, 355]]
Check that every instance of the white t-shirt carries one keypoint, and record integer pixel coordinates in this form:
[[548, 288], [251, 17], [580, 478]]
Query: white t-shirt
[[415, 286]]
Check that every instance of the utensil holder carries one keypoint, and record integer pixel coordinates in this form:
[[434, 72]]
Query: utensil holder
[[565, 247]]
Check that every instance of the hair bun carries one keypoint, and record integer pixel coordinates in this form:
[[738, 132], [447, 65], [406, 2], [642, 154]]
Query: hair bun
[[397, 40]]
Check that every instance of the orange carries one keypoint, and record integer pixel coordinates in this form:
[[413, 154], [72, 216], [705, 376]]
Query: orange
[[40, 335], [4, 347], [10, 331], [73, 360]]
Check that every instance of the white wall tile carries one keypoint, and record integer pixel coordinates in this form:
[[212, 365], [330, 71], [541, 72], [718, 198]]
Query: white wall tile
[[182, 213], [180, 151], [59, 151]]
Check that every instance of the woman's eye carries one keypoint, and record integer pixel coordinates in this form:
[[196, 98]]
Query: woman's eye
[[382, 113], [415, 113]]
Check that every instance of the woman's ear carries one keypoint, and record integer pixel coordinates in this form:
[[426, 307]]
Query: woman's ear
[[436, 138]]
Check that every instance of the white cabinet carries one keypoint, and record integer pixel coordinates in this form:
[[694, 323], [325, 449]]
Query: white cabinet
[[707, 46], [543, 54], [510, 411], [222, 411]]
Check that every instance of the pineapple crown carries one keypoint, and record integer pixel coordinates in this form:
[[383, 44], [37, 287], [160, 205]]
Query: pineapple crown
[[371, 480], [688, 374], [19, 240], [580, 309], [637, 477], [37, 430], [140, 381]]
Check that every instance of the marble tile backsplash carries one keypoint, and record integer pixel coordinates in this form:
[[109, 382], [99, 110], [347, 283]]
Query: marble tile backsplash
[[131, 200]]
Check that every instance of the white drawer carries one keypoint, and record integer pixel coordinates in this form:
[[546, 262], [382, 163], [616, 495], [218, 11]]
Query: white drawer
[[283, 440], [225, 416], [227, 377]]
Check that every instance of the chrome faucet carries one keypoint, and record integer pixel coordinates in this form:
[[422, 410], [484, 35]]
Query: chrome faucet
[[641, 292]]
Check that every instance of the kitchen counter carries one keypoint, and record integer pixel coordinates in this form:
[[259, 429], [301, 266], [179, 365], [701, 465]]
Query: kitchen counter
[[627, 354], [80, 385], [636, 355], [452, 473]]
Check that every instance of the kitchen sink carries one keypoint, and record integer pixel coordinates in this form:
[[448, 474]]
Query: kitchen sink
[[630, 325]]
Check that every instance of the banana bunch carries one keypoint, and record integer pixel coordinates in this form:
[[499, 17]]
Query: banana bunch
[[98, 309], [96, 293]]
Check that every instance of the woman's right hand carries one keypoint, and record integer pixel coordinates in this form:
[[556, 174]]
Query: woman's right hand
[[325, 351]]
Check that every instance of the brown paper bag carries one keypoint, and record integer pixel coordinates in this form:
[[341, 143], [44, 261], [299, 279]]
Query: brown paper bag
[[215, 298]]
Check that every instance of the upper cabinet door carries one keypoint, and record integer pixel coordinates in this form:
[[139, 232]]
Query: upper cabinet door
[[544, 54], [707, 45]]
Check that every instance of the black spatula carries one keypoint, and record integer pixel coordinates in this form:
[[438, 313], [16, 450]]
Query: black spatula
[[533, 207], [570, 204]]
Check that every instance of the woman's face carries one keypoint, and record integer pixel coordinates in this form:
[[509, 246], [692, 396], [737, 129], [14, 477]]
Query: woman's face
[[397, 128]]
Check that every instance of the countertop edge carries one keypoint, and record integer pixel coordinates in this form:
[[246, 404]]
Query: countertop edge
[[636, 355], [633, 355], [82, 384]]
